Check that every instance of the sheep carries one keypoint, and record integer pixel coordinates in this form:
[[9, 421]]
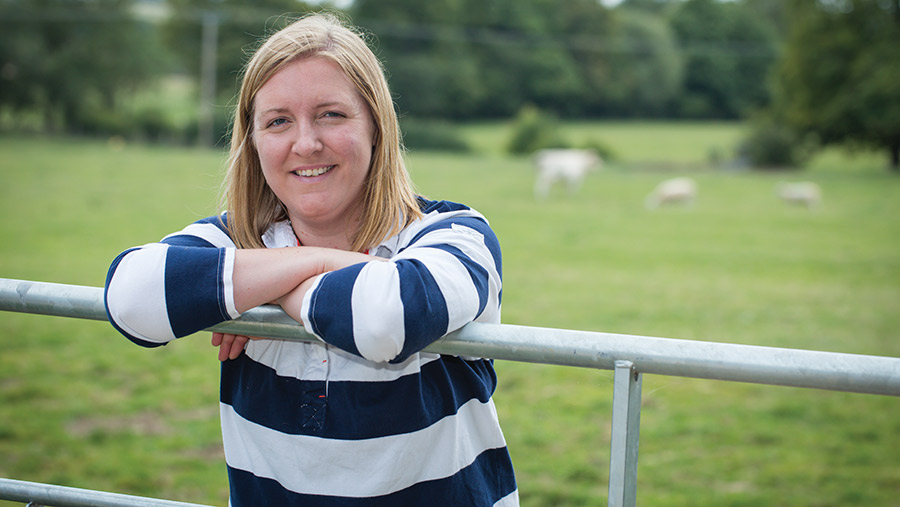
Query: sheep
[[801, 193], [675, 190], [569, 166]]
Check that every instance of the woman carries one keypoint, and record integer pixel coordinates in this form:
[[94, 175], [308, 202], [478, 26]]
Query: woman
[[322, 220]]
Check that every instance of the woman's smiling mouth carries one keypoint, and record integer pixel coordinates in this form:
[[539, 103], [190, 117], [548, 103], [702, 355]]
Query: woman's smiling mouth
[[313, 172]]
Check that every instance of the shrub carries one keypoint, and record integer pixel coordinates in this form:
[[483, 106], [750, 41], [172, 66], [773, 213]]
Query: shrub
[[153, 125], [774, 145], [102, 122], [606, 153], [435, 135], [534, 130]]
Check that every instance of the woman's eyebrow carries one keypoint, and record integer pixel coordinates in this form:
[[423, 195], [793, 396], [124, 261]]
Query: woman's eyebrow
[[320, 105], [331, 103], [271, 110]]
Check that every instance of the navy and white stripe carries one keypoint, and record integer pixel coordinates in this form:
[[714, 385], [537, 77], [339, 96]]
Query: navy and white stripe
[[444, 274], [365, 417], [166, 290]]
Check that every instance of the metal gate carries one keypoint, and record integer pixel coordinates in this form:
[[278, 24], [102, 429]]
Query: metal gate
[[629, 356]]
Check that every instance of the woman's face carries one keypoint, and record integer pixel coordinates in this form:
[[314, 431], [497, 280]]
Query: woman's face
[[314, 135]]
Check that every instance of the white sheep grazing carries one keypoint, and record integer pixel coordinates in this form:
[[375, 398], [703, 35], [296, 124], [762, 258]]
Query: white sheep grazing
[[569, 166], [675, 190], [802, 193]]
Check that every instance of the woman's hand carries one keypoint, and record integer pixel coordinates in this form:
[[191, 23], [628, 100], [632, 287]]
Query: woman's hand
[[292, 302], [280, 276], [333, 260], [263, 275], [230, 345]]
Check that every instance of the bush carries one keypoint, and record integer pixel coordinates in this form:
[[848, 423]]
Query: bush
[[221, 128], [102, 122], [148, 124], [534, 130], [432, 135], [606, 153], [773, 145], [155, 126]]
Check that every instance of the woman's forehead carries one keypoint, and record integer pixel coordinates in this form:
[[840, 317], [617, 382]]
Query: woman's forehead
[[313, 81]]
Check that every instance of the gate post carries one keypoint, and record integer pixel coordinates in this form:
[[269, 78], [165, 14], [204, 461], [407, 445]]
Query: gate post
[[626, 423]]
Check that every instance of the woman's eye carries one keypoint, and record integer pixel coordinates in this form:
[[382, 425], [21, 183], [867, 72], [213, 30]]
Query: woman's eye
[[277, 122], [332, 114]]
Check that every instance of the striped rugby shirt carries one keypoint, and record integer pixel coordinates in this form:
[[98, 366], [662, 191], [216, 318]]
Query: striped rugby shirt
[[364, 417]]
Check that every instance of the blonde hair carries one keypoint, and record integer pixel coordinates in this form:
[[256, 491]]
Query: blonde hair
[[390, 201]]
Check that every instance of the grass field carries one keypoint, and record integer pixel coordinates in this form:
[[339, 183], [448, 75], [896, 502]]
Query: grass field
[[81, 406]]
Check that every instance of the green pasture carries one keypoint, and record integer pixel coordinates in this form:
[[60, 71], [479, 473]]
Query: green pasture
[[81, 406]]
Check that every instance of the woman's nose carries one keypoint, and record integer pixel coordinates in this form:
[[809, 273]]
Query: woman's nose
[[308, 140]]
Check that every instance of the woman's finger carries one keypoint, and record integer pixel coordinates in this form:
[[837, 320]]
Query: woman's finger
[[231, 345], [225, 346], [237, 346]]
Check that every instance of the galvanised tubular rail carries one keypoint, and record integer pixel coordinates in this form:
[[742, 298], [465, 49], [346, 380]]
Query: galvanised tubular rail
[[629, 356], [661, 356], [37, 494]]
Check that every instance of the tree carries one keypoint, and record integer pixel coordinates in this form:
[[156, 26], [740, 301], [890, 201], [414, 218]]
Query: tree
[[657, 7], [470, 58], [839, 74], [240, 26], [728, 51], [73, 60], [645, 70], [430, 68]]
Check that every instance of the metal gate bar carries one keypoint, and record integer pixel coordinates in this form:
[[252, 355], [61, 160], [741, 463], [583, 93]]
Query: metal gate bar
[[629, 356], [626, 427], [37, 494], [662, 356]]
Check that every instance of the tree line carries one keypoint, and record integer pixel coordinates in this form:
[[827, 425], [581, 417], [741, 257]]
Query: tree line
[[695, 59], [822, 69]]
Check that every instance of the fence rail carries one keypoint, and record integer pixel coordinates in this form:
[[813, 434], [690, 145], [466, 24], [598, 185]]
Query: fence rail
[[629, 356], [37, 494]]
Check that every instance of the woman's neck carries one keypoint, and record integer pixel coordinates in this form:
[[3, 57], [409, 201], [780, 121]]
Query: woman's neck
[[327, 232], [339, 241], [327, 237]]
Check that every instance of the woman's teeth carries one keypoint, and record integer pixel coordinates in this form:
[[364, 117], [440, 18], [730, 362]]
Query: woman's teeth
[[314, 172]]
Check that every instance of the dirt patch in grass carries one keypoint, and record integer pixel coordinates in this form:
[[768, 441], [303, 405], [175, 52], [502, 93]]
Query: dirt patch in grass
[[145, 423]]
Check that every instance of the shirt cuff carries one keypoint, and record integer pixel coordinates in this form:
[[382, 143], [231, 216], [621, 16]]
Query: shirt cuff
[[228, 282]]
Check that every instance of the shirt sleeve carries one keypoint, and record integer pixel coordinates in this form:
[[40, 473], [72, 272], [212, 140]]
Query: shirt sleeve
[[447, 275], [161, 291]]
